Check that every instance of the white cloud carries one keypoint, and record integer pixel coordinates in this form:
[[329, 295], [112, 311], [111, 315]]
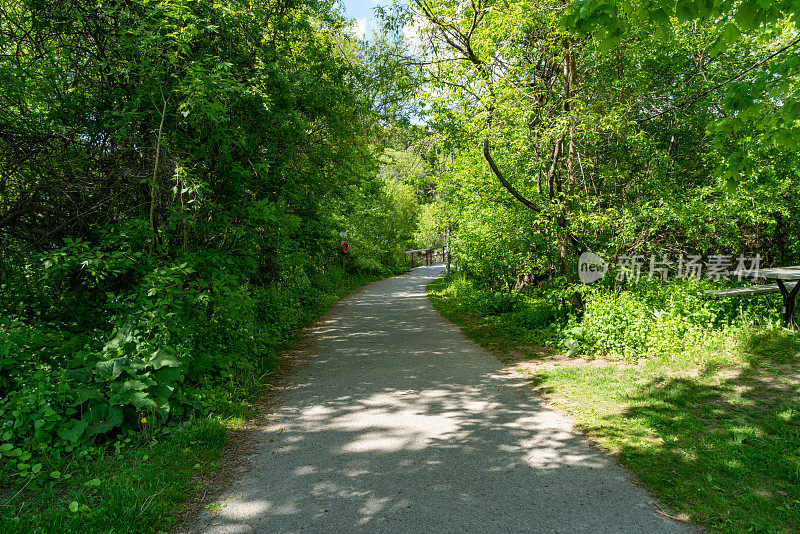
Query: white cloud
[[412, 34], [364, 27], [360, 27]]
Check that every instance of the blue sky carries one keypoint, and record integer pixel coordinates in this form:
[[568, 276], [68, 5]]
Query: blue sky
[[363, 12]]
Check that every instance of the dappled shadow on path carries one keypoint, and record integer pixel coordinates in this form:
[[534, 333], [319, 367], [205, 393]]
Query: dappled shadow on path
[[401, 424]]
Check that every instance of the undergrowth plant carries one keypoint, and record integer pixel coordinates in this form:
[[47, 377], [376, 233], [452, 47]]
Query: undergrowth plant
[[628, 323]]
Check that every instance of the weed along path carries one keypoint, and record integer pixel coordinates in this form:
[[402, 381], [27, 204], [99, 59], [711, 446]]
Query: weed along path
[[401, 424]]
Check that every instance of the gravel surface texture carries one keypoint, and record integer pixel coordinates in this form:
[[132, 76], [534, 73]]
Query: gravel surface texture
[[399, 423]]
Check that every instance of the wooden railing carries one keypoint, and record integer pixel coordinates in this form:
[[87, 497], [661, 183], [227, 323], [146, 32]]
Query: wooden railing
[[429, 255]]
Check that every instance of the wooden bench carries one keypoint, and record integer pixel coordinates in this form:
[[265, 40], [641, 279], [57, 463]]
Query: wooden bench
[[788, 290], [749, 290]]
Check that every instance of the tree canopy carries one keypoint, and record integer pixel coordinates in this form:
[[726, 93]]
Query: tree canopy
[[618, 127]]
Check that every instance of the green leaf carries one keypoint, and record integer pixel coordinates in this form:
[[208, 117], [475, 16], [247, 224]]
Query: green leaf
[[608, 43], [167, 376], [124, 334], [73, 430], [162, 404], [731, 33], [704, 7], [163, 358], [110, 368], [85, 394], [685, 11], [55, 474], [73, 506], [138, 399], [36, 468], [717, 47], [162, 390], [660, 17], [136, 385], [747, 16], [102, 418], [43, 434]]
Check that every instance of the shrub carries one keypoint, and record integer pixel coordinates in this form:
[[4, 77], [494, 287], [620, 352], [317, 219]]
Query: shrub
[[640, 320], [176, 338], [617, 323], [659, 319]]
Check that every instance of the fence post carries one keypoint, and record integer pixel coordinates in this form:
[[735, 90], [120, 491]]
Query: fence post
[[446, 250]]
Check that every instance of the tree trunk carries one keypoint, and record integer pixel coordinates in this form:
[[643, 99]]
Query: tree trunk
[[569, 81], [153, 190], [524, 281]]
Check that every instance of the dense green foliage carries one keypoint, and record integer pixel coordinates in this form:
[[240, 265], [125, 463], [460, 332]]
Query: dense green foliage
[[136, 486], [646, 320], [556, 138], [175, 176], [656, 130], [136, 478]]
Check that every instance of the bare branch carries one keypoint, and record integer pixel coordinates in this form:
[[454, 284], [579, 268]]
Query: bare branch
[[516, 194]]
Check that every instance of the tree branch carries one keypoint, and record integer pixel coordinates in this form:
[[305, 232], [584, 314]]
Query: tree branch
[[488, 155]]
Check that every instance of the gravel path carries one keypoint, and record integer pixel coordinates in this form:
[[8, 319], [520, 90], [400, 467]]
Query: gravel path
[[401, 424]]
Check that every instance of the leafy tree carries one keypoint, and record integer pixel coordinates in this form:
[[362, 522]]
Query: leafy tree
[[174, 179], [617, 148]]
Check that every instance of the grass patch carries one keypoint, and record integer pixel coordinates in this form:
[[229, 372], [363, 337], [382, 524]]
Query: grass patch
[[715, 432], [134, 490], [139, 480]]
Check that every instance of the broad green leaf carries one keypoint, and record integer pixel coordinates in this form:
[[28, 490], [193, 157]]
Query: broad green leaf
[[73, 430], [86, 394], [163, 358], [135, 385], [167, 376], [137, 399], [747, 16], [111, 368], [102, 418], [730, 34], [685, 11]]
